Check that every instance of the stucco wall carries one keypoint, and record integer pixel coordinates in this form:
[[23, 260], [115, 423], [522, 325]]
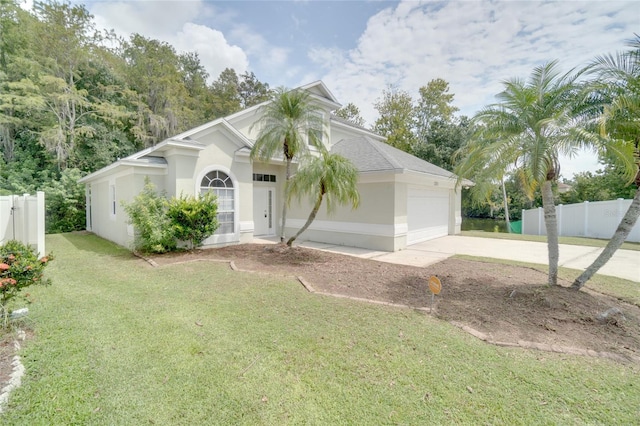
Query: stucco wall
[[128, 183], [371, 225]]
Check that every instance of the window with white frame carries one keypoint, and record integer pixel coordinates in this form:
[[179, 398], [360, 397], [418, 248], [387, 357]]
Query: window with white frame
[[112, 204], [222, 186]]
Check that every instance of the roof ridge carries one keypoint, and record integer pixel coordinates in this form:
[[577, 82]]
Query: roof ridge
[[394, 163]]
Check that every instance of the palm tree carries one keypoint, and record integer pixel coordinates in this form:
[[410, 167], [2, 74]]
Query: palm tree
[[329, 175], [618, 77], [527, 132], [289, 122]]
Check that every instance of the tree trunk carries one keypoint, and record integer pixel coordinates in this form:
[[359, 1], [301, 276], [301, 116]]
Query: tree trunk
[[551, 222], [311, 218], [506, 206], [286, 199], [624, 229]]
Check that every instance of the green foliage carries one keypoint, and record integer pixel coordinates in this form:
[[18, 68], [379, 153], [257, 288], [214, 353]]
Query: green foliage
[[351, 112], [65, 203], [396, 119], [160, 223], [148, 214], [193, 219], [20, 268]]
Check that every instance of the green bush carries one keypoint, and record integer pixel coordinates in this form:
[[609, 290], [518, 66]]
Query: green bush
[[20, 267], [65, 203], [161, 223], [148, 214], [193, 219]]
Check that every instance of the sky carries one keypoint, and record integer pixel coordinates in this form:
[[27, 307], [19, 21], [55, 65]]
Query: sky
[[359, 48]]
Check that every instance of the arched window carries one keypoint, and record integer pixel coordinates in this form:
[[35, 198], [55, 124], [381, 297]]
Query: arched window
[[222, 186]]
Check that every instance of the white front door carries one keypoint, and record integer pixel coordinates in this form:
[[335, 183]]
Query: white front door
[[263, 220]]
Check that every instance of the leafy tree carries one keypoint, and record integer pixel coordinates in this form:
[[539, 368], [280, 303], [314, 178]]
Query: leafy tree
[[434, 106], [225, 94], [620, 123], [288, 124], [439, 133], [351, 112], [193, 219], [153, 72], [396, 118], [329, 175], [528, 130], [252, 91], [605, 184], [65, 202]]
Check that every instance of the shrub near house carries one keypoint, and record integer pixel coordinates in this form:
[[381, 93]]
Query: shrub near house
[[161, 223], [20, 267]]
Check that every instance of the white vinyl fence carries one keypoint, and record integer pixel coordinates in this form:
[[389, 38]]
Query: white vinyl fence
[[598, 219], [22, 219]]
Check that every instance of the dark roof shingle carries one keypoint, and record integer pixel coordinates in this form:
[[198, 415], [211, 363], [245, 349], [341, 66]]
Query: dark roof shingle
[[369, 155]]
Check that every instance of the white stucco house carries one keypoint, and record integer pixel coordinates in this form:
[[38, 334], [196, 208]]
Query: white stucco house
[[404, 200]]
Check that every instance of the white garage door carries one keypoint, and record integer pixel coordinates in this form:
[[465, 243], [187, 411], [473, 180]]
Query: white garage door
[[427, 214]]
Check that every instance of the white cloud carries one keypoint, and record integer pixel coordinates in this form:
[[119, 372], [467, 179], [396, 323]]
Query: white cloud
[[215, 52], [172, 22], [476, 45], [269, 57], [149, 18], [473, 45]]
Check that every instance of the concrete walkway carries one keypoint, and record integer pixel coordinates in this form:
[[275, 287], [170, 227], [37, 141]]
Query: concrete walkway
[[624, 263]]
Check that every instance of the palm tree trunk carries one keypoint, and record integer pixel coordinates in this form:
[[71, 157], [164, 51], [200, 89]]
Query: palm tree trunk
[[506, 206], [311, 218], [285, 199], [551, 222], [624, 229]]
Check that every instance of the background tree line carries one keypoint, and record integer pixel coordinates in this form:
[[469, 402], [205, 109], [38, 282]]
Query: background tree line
[[74, 99]]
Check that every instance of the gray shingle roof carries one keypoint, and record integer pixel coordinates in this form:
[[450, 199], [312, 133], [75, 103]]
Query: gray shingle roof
[[369, 155]]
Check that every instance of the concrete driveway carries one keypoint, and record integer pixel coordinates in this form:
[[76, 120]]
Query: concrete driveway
[[624, 263]]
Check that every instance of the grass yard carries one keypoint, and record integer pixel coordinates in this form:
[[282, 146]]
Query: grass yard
[[119, 342], [576, 241]]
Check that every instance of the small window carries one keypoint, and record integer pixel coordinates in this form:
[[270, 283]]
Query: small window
[[222, 186], [259, 177], [112, 203]]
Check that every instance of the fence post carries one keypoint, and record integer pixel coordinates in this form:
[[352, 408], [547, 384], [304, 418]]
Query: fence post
[[522, 216], [559, 215], [586, 219], [40, 222], [540, 217]]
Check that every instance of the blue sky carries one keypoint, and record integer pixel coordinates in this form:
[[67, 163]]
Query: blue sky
[[359, 47]]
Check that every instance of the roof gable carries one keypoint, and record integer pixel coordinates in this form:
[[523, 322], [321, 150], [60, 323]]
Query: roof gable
[[319, 89], [369, 155]]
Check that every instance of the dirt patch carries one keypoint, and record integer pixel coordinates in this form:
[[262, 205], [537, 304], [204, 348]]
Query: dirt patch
[[506, 303]]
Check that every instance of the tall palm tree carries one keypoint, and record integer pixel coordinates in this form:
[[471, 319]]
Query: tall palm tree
[[290, 122], [329, 176], [618, 77], [526, 132]]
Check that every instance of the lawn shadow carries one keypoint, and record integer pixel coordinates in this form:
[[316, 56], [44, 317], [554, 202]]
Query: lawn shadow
[[87, 241]]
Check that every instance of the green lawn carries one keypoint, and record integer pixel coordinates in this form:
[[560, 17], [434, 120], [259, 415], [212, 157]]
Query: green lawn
[[576, 241], [120, 343]]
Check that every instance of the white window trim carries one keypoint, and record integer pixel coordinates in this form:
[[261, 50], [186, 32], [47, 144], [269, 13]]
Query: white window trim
[[235, 235]]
